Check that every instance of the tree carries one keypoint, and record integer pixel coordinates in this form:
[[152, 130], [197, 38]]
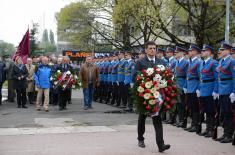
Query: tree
[[33, 39], [52, 39], [6, 49]]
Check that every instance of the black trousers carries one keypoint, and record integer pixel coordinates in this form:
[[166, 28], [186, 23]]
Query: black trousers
[[21, 96], [0, 93], [114, 93], [11, 91], [109, 91], [63, 98], [121, 93], [226, 111], [30, 97], [193, 102], [157, 123], [181, 106]]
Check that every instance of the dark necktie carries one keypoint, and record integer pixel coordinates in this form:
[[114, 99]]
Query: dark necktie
[[204, 63]]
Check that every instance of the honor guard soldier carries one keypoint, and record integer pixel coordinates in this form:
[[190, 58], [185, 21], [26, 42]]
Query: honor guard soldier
[[114, 79], [97, 89], [160, 55], [226, 89], [105, 76], [208, 88], [233, 52], [101, 86], [121, 77], [129, 71], [109, 79], [192, 85], [181, 69], [171, 59]]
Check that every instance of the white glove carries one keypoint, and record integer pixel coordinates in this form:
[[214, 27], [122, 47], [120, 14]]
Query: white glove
[[118, 83], [232, 97], [198, 93], [185, 90], [215, 95], [132, 84]]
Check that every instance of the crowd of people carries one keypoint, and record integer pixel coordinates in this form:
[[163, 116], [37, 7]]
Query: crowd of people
[[31, 82], [204, 77]]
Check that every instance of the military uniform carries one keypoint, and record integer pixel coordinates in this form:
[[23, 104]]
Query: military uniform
[[121, 78], [109, 81], [129, 71], [114, 79], [226, 90], [181, 69], [192, 85], [208, 88]]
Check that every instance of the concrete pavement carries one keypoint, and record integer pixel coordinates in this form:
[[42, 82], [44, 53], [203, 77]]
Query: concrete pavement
[[92, 132]]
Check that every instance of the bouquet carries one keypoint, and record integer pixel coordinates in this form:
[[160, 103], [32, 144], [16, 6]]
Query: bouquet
[[65, 80], [154, 90]]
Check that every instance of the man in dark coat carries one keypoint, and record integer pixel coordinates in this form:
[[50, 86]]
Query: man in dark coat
[[149, 61], [2, 78]]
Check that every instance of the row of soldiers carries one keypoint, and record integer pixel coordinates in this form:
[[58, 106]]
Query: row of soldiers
[[206, 86], [116, 74]]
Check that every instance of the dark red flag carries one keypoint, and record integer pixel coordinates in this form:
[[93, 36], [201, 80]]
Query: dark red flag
[[23, 48]]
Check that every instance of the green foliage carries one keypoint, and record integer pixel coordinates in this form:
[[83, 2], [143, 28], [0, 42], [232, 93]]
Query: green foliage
[[33, 39], [46, 45], [6, 49], [74, 25], [51, 37]]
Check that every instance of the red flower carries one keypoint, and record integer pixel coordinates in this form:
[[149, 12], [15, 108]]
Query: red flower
[[167, 99], [147, 107], [142, 85], [174, 87], [138, 78], [147, 90], [169, 81], [141, 94], [148, 79], [167, 107]]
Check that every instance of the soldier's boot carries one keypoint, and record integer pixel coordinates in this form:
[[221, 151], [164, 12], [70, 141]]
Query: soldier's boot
[[194, 122], [210, 126], [208, 120]]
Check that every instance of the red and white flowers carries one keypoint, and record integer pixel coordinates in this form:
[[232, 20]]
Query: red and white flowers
[[154, 89]]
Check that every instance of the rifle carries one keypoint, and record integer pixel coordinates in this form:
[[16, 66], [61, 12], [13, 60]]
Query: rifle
[[217, 120]]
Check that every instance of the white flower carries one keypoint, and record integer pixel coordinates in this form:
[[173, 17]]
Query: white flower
[[141, 75], [153, 90], [173, 78], [163, 83], [76, 77], [157, 87], [58, 71], [68, 72], [140, 89], [147, 96], [51, 78], [161, 67], [64, 86], [73, 86], [152, 102], [150, 71], [157, 78], [149, 84], [156, 94]]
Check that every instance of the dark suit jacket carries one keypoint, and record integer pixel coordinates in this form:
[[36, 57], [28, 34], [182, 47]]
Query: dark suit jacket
[[16, 73], [145, 64]]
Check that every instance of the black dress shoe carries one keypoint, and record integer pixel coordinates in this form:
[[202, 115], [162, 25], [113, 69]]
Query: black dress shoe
[[226, 140], [141, 144], [193, 129], [203, 133], [209, 134], [187, 129], [164, 147], [220, 138], [24, 107]]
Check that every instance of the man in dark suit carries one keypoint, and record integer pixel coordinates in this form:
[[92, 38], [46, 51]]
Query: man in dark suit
[[2, 77], [149, 61]]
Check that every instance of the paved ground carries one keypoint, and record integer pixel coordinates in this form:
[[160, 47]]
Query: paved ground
[[93, 132]]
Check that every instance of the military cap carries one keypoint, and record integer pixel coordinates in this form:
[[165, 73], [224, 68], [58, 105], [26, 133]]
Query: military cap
[[169, 49], [160, 50], [180, 49], [233, 50], [194, 47], [225, 46], [208, 47]]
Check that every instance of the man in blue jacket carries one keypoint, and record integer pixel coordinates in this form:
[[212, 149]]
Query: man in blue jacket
[[226, 90], [192, 85], [208, 88], [42, 81]]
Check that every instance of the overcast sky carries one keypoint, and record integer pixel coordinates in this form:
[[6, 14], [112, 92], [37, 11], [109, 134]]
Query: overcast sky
[[17, 15]]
